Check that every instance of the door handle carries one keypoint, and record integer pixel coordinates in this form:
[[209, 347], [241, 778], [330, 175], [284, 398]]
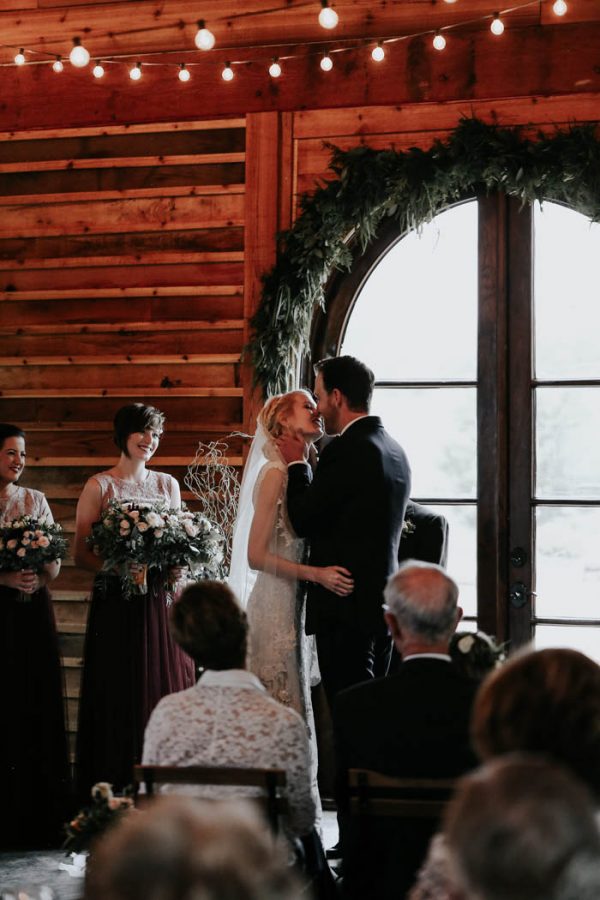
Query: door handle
[[518, 594]]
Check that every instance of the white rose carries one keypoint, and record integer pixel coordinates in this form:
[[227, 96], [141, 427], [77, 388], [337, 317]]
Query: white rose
[[102, 791], [465, 644], [190, 529], [154, 521], [158, 533]]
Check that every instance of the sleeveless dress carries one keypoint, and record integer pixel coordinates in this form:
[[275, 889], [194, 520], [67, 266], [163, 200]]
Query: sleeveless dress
[[130, 660], [34, 768], [280, 653]]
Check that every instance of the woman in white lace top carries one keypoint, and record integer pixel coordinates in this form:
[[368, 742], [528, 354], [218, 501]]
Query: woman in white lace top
[[227, 718]]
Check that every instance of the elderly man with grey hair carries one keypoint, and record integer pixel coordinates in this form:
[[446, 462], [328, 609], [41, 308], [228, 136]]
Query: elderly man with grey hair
[[414, 724]]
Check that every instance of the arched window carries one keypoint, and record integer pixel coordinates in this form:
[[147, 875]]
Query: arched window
[[482, 332]]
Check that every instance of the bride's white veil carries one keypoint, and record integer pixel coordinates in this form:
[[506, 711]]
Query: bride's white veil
[[241, 577]]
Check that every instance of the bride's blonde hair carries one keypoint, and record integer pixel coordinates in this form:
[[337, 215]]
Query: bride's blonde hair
[[276, 409]]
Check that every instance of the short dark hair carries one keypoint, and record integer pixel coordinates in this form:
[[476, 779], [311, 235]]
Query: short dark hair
[[351, 377], [209, 624], [8, 431], [132, 418]]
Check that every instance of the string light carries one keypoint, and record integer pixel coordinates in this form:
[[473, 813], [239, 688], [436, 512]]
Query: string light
[[559, 8], [497, 26], [98, 70], [275, 68], [20, 58], [184, 74], [328, 18], [79, 56], [136, 72], [439, 41], [205, 39], [450, 1], [57, 65], [378, 53], [326, 63], [227, 73]]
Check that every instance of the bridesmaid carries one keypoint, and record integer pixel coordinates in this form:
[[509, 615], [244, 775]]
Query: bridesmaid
[[130, 660], [34, 771]]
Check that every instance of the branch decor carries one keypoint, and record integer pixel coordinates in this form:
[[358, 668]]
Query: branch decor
[[369, 186]]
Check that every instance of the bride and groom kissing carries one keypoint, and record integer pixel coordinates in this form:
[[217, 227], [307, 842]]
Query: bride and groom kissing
[[335, 526]]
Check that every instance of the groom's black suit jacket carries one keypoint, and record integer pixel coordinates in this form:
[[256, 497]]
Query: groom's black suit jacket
[[352, 512]]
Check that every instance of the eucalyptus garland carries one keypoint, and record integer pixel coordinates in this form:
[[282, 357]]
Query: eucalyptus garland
[[410, 187]]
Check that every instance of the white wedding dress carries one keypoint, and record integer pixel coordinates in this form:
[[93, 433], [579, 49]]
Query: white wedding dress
[[280, 653]]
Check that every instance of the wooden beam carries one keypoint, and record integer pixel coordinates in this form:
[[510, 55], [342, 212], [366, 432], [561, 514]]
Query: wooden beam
[[554, 59]]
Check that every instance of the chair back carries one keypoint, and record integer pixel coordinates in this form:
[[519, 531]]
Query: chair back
[[375, 794], [272, 783]]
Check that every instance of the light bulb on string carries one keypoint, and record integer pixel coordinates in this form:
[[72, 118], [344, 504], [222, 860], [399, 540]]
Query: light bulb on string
[[450, 1], [184, 73], [439, 41], [497, 26], [98, 70], [136, 72], [20, 58], [204, 39], [328, 18], [275, 68], [57, 65], [559, 8], [79, 56], [378, 53], [227, 73], [326, 63]]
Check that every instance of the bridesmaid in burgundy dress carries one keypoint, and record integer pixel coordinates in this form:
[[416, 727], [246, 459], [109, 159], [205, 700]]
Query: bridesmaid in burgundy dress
[[34, 769], [130, 660]]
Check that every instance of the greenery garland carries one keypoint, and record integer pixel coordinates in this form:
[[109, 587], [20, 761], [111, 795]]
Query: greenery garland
[[410, 187]]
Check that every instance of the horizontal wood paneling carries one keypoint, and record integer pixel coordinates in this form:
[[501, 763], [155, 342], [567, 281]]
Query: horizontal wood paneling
[[121, 279]]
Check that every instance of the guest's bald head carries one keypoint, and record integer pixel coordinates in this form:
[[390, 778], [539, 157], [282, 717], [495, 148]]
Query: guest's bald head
[[422, 599]]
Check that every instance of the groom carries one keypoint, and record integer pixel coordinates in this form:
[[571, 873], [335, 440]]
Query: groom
[[351, 511]]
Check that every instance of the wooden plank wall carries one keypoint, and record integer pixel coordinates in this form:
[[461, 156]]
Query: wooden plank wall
[[121, 278]]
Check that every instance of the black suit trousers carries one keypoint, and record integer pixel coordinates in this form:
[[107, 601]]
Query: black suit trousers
[[347, 656]]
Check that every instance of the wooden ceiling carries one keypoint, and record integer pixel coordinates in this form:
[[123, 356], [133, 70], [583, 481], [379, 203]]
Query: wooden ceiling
[[539, 54]]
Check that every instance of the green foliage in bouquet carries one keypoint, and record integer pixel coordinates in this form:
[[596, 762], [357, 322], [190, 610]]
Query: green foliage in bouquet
[[30, 543], [158, 537], [93, 820]]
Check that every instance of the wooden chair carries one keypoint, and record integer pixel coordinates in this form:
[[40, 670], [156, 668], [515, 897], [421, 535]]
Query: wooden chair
[[374, 794], [272, 782]]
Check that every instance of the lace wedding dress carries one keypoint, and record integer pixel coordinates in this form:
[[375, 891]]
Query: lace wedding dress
[[280, 654]]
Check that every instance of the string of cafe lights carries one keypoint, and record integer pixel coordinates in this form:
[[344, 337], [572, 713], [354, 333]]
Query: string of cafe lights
[[205, 41]]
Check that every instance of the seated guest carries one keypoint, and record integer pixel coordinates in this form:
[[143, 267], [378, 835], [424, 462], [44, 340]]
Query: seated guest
[[178, 849], [475, 653], [545, 702], [227, 718], [414, 723], [521, 828]]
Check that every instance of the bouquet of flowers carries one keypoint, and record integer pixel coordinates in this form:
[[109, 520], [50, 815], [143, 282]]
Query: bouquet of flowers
[[30, 543], [192, 540], [154, 536], [476, 653], [93, 820]]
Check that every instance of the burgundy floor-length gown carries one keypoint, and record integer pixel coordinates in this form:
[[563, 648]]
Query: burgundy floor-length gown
[[130, 660], [34, 769]]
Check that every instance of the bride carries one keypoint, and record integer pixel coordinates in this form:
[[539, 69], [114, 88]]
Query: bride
[[267, 558]]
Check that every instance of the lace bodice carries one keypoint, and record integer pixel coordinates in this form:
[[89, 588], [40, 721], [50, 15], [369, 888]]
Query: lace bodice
[[24, 502], [284, 540], [227, 719], [158, 486]]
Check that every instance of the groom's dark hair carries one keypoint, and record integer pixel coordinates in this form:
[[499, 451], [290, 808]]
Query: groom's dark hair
[[351, 378]]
